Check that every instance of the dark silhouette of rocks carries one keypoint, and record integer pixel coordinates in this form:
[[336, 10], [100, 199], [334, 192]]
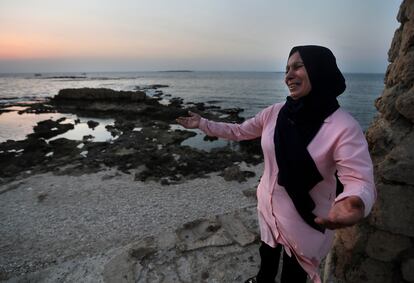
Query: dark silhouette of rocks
[[154, 148]]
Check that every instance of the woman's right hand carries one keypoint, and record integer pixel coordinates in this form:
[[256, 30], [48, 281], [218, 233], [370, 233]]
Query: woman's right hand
[[191, 122]]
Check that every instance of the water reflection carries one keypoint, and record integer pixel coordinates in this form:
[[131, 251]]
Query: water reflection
[[14, 126], [98, 134], [198, 140]]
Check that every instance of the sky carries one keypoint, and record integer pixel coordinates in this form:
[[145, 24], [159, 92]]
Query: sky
[[200, 35]]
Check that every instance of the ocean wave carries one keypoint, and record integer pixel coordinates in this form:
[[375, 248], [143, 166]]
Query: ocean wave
[[23, 99]]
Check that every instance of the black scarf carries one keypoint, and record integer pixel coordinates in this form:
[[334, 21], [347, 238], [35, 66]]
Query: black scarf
[[298, 123]]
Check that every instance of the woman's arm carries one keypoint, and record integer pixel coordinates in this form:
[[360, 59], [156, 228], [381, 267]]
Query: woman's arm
[[355, 171], [249, 129]]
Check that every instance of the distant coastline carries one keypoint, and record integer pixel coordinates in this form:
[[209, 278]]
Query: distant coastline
[[176, 71]]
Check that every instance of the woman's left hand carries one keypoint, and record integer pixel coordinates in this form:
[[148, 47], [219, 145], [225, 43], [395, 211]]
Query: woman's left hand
[[344, 213]]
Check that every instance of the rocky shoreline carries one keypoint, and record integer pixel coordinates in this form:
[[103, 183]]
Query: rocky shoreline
[[145, 144], [140, 207]]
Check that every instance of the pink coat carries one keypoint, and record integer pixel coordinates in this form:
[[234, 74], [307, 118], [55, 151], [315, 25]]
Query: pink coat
[[339, 145]]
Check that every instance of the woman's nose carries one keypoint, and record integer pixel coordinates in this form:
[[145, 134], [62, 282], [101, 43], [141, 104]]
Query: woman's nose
[[289, 74]]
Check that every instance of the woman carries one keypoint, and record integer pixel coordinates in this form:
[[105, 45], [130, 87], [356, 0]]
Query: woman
[[310, 146]]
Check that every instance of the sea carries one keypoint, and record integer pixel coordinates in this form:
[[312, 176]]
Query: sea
[[250, 91]]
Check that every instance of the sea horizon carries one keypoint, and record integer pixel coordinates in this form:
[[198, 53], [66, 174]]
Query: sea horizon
[[246, 90], [171, 71]]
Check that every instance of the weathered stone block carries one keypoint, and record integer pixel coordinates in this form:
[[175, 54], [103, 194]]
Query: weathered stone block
[[405, 104], [379, 137], [394, 209], [390, 140], [401, 71], [383, 135], [371, 271], [398, 166], [349, 246], [386, 103], [385, 246], [406, 11], [202, 233], [236, 230], [407, 270], [95, 94], [395, 45], [407, 39]]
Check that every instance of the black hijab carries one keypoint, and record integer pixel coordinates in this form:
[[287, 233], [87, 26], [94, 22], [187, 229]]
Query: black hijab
[[298, 123]]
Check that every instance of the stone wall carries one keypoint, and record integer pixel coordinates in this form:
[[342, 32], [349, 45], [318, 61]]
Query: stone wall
[[381, 248]]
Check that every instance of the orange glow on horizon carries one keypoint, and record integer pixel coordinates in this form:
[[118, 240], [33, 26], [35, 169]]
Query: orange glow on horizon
[[23, 46]]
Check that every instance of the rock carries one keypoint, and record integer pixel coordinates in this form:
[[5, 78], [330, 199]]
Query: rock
[[401, 71], [125, 267], [38, 108], [64, 148], [143, 249], [383, 136], [87, 138], [233, 173], [236, 230], [385, 246], [92, 124], [176, 101], [393, 210], [153, 86], [49, 128], [157, 86], [250, 193], [154, 146], [386, 103], [395, 45], [407, 38], [208, 138], [200, 234], [406, 12], [98, 94], [384, 251], [407, 270], [125, 151], [113, 130], [41, 197], [371, 271], [200, 106], [398, 165], [101, 100], [405, 104]]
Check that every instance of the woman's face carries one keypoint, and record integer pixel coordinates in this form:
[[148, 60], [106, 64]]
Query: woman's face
[[296, 78]]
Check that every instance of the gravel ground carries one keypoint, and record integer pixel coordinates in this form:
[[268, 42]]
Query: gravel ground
[[48, 219]]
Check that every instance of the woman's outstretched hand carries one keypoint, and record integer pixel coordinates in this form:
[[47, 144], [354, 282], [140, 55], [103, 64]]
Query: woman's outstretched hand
[[344, 213], [190, 122]]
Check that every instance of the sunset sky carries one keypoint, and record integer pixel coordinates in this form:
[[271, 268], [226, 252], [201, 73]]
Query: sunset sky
[[146, 35]]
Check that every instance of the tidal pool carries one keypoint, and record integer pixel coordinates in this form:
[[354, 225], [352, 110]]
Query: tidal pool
[[15, 126], [198, 140]]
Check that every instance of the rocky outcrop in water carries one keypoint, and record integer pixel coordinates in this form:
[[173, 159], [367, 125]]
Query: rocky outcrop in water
[[145, 141], [98, 94], [381, 249], [103, 100]]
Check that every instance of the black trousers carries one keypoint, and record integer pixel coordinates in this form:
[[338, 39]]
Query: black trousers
[[292, 272]]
